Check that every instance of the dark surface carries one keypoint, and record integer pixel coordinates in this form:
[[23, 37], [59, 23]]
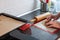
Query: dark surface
[[8, 37], [17, 34]]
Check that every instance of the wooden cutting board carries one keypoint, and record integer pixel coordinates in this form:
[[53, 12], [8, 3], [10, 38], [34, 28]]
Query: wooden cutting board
[[7, 24]]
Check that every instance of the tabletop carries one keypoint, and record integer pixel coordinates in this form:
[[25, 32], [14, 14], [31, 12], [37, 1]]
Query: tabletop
[[38, 33]]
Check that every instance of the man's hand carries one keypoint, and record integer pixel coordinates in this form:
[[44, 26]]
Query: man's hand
[[53, 24]]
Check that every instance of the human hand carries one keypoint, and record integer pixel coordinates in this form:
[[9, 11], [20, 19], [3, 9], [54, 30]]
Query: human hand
[[54, 17], [53, 24]]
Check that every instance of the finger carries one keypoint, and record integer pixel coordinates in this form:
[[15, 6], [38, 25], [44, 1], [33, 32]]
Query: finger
[[55, 18], [48, 23], [50, 26], [49, 18]]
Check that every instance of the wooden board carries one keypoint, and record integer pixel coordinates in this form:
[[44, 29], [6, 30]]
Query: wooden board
[[7, 24]]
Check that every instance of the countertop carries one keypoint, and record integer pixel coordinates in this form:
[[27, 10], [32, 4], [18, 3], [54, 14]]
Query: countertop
[[38, 33]]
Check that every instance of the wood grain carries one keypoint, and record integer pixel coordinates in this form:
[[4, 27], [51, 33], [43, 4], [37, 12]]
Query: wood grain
[[8, 24]]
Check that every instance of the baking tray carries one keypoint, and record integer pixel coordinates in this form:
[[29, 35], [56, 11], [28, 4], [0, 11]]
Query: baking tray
[[13, 17], [38, 33]]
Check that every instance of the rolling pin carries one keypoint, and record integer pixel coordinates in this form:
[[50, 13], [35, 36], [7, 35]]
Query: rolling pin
[[40, 17]]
